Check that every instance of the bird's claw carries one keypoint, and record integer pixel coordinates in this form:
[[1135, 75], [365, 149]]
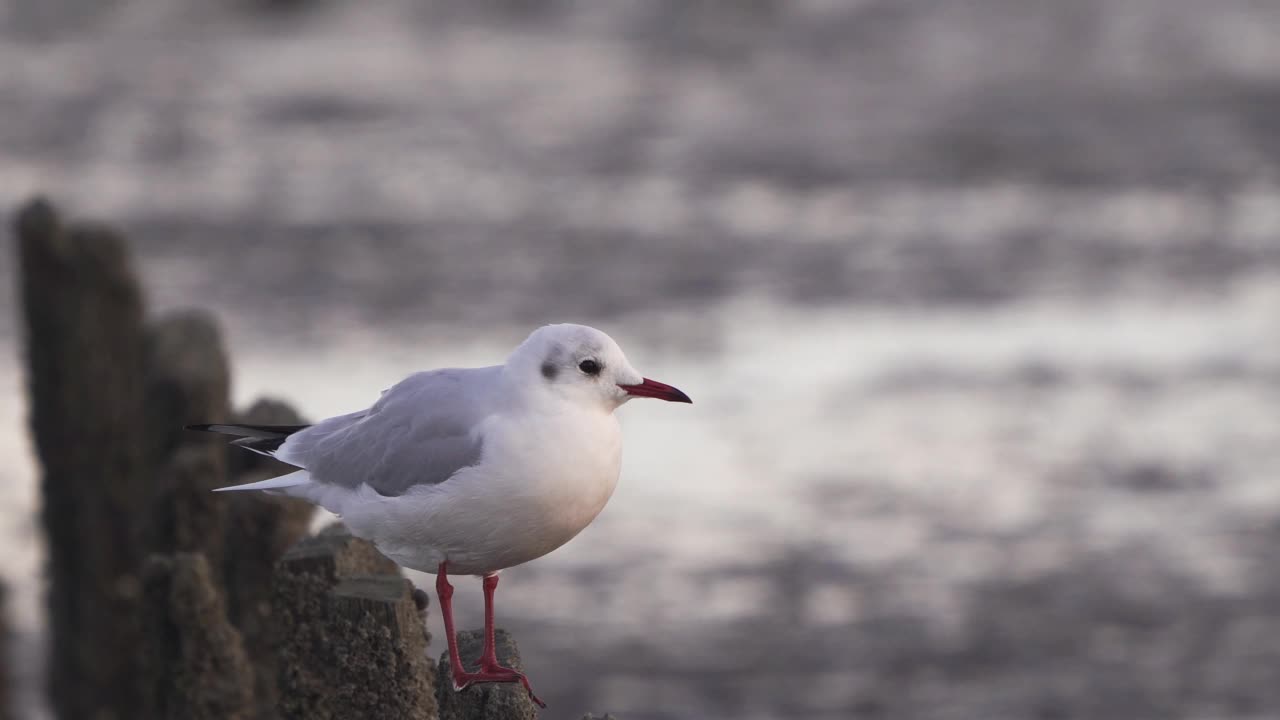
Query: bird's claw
[[495, 674]]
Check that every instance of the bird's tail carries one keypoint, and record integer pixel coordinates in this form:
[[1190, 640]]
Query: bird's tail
[[293, 479], [262, 439]]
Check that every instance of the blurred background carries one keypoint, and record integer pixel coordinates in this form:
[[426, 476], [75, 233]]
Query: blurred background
[[977, 302]]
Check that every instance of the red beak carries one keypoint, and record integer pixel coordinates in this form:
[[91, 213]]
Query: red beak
[[655, 389]]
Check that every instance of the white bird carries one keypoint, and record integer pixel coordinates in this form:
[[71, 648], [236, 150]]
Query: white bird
[[470, 470]]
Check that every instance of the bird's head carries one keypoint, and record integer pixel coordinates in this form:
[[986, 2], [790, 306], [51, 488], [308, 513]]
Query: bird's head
[[583, 364]]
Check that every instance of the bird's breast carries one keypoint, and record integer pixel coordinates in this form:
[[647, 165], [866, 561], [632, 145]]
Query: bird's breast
[[539, 483], [566, 467]]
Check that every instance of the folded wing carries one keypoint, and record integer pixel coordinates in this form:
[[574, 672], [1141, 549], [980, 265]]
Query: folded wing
[[420, 432]]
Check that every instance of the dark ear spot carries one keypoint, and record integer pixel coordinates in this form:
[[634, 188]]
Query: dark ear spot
[[549, 370]]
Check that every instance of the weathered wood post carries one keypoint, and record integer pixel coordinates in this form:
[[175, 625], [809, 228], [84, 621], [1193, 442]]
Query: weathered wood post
[[83, 316], [353, 640], [187, 381], [195, 665], [488, 701], [109, 397], [260, 529]]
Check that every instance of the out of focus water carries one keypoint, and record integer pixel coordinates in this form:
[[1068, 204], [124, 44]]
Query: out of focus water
[[977, 303]]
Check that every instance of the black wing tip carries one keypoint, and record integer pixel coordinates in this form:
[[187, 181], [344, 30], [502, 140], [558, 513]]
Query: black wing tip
[[265, 446], [247, 429]]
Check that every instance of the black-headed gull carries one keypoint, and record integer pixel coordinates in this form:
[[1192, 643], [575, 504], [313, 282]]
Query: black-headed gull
[[470, 470]]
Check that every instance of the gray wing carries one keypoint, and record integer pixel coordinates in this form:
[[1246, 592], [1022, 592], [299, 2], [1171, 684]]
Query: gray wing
[[420, 432]]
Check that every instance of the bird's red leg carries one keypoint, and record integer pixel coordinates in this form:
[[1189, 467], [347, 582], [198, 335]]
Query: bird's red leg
[[490, 670], [489, 658], [445, 591]]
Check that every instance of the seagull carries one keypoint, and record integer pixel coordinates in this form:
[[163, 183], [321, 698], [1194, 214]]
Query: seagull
[[470, 470]]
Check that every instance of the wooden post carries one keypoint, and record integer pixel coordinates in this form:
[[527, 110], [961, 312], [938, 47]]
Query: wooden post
[[195, 667], [84, 343], [260, 529], [487, 701], [188, 381], [353, 641]]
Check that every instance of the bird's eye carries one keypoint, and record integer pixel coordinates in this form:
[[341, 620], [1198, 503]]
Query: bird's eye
[[589, 366]]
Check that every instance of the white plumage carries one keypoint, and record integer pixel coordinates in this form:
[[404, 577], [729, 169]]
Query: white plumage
[[484, 468], [470, 470]]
